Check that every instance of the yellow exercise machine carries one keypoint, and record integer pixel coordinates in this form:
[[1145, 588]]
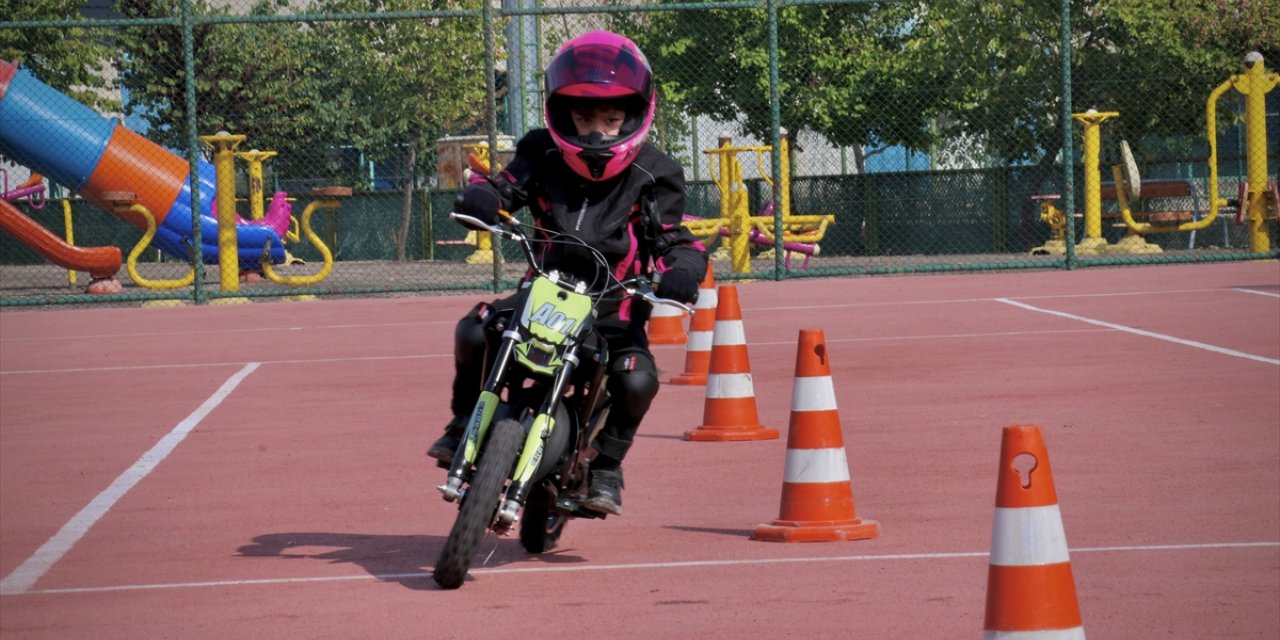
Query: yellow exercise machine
[[800, 233], [1260, 190], [1256, 195]]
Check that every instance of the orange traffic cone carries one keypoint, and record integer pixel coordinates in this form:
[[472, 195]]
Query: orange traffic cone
[[817, 498], [730, 409], [666, 325], [697, 355], [1030, 590]]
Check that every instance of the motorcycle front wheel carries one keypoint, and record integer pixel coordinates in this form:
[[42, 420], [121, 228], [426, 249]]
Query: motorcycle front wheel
[[479, 503]]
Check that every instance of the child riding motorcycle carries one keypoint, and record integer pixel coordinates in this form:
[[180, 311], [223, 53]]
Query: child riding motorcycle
[[591, 173]]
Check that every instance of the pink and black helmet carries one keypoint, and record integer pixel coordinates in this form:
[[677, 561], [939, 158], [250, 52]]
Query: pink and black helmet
[[599, 67]]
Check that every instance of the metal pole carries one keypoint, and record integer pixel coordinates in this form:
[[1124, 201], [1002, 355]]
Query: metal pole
[[1254, 83], [193, 149], [491, 119], [775, 119], [1068, 153]]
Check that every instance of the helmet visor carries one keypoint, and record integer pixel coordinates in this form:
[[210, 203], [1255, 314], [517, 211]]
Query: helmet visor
[[599, 71]]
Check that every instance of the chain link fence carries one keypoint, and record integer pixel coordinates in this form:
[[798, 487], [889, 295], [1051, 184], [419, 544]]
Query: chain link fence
[[329, 137]]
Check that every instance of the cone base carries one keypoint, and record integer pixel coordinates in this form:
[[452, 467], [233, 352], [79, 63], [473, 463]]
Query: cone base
[[688, 378], [731, 434], [789, 531]]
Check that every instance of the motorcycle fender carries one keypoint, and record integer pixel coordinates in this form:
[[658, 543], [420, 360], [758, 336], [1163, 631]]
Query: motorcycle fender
[[543, 425], [551, 448]]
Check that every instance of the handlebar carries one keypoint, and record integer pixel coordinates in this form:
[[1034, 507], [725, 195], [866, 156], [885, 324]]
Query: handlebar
[[512, 229]]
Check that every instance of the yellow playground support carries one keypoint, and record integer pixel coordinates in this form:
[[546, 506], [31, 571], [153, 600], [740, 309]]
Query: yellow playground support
[[800, 233], [325, 198], [224, 145], [257, 196], [127, 201]]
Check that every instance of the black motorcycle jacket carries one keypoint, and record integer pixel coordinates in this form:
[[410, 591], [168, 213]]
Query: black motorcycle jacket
[[633, 219]]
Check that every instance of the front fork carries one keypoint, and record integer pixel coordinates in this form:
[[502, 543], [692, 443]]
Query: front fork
[[478, 423], [482, 417], [535, 444]]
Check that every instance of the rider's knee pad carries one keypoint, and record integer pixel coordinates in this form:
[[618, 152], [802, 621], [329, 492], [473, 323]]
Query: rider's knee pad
[[633, 383], [469, 336]]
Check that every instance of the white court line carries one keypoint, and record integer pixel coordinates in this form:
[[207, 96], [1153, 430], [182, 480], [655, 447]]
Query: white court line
[[51, 551], [1141, 332], [638, 566], [1047, 296], [1256, 292]]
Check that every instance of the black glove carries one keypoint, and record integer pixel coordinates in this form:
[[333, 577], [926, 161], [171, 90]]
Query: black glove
[[479, 201], [678, 285]]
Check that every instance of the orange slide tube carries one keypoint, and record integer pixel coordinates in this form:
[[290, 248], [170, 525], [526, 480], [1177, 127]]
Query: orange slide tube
[[130, 162], [100, 262]]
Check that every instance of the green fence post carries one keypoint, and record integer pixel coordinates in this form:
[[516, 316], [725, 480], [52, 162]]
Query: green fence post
[[1000, 221]]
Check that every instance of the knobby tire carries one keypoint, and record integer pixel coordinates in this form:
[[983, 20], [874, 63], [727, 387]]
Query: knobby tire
[[480, 503], [541, 525]]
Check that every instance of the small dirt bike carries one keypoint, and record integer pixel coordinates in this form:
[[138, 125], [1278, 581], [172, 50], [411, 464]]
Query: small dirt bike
[[524, 458]]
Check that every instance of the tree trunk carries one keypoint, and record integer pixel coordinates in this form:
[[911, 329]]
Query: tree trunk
[[406, 209]]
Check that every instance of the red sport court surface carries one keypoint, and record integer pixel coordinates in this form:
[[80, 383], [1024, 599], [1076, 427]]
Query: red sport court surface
[[257, 471]]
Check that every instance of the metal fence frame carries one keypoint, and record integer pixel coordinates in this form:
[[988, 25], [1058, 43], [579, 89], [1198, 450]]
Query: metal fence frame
[[489, 14]]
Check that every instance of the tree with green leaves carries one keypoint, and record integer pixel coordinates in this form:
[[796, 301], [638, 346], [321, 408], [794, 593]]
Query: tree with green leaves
[[392, 88], [912, 74], [78, 61], [1153, 61], [386, 88], [981, 77], [251, 79], [840, 70]]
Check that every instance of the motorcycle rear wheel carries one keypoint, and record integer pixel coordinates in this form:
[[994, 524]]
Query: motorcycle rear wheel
[[541, 526], [480, 503]]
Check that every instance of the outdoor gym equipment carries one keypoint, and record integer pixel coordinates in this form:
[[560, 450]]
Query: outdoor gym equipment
[[800, 233], [1092, 121], [1254, 83], [1257, 194], [1126, 188]]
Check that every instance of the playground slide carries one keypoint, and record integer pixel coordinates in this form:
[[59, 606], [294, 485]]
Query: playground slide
[[75, 146], [100, 262]]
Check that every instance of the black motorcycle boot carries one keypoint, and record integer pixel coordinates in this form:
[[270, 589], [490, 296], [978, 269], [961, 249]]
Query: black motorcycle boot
[[468, 365], [605, 494], [446, 446]]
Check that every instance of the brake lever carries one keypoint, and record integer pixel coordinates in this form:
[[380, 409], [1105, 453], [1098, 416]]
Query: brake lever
[[511, 230], [654, 299], [644, 289]]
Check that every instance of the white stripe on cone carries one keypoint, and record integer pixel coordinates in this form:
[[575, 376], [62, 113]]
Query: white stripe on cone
[[1028, 536], [815, 465], [813, 393], [728, 332], [707, 299], [699, 341], [729, 385], [1050, 634]]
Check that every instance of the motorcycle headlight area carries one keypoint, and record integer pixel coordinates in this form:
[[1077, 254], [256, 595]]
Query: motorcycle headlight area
[[539, 355]]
